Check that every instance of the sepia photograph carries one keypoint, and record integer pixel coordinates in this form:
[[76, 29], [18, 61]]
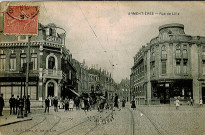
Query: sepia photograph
[[102, 68]]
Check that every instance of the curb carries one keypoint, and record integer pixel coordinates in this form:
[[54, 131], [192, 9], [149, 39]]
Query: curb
[[15, 122]]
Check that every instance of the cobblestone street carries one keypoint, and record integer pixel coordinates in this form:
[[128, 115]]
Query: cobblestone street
[[147, 120]]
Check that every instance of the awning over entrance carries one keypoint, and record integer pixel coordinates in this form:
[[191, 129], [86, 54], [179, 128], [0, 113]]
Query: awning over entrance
[[75, 92]]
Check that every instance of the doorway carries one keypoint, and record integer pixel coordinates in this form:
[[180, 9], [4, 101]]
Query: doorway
[[203, 94], [51, 89]]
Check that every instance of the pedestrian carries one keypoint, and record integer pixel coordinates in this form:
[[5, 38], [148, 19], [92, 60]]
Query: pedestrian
[[50, 101], [119, 104], [191, 102], [177, 104], [82, 104], [116, 101], [77, 102], [123, 102], [55, 103], [47, 104], [12, 102], [17, 104], [86, 104], [71, 103], [28, 103], [1, 103], [133, 106], [52, 98], [201, 102], [66, 102]]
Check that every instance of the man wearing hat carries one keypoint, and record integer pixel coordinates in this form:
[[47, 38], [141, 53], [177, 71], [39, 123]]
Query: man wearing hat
[[1, 104]]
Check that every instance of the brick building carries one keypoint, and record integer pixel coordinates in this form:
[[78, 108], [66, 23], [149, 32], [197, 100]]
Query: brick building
[[51, 71], [171, 66]]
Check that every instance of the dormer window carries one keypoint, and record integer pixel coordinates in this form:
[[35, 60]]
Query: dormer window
[[50, 31]]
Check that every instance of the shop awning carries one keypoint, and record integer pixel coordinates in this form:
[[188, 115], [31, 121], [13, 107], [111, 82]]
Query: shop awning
[[75, 92]]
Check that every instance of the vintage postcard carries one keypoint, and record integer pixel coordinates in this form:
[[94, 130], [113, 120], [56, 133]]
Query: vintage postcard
[[102, 68]]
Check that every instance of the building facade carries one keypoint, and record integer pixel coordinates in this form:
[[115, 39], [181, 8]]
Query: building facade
[[82, 76], [50, 65], [171, 66], [101, 82], [124, 89]]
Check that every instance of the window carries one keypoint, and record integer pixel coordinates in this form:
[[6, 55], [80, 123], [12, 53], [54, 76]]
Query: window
[[23, 59], [2, 62], [164, 67], [203, 50], [51, 62], [178, 51], [13, 62], [153, 68], [70, 74], [34, 60], [203, 66], [185, 67], [178, 67], [185, 51], [164, 50], [50, 31], [163, 53]]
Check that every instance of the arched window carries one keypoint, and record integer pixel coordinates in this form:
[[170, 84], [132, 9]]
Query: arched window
[[50, 31], [51, 63]]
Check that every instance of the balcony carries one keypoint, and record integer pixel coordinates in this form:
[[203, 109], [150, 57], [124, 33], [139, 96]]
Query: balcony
[[50, 73], [203, 57], [178, 56], [164, 57], [185, 56]]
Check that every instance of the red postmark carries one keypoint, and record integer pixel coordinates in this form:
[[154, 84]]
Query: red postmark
[[21, 20]]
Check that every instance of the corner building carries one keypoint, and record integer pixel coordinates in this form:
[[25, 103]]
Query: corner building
[[171, 66], [51, 72]]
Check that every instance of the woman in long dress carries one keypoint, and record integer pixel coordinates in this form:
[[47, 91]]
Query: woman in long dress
[[71, 103], [133, 106], [82, 104], [177, 103]]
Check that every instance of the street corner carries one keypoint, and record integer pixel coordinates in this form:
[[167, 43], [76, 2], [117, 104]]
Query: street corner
[[12, 119]]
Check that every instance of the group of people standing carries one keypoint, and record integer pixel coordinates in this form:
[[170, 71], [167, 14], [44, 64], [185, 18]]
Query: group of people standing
[[18, 103], [15, 104], [48, 104], [190, 102]]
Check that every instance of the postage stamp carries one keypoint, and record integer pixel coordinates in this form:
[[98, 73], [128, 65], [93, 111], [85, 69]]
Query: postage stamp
[[21, 20]]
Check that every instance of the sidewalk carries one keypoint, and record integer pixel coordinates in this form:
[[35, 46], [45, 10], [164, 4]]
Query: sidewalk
[[11, 119], [8, 119]]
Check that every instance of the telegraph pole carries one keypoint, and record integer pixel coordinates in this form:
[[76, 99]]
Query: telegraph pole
[[27, 76]]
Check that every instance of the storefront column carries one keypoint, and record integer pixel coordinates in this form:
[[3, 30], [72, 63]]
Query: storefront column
[[196, 90]]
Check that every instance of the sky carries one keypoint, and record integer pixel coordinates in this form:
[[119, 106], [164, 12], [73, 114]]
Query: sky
[[105, 35]]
